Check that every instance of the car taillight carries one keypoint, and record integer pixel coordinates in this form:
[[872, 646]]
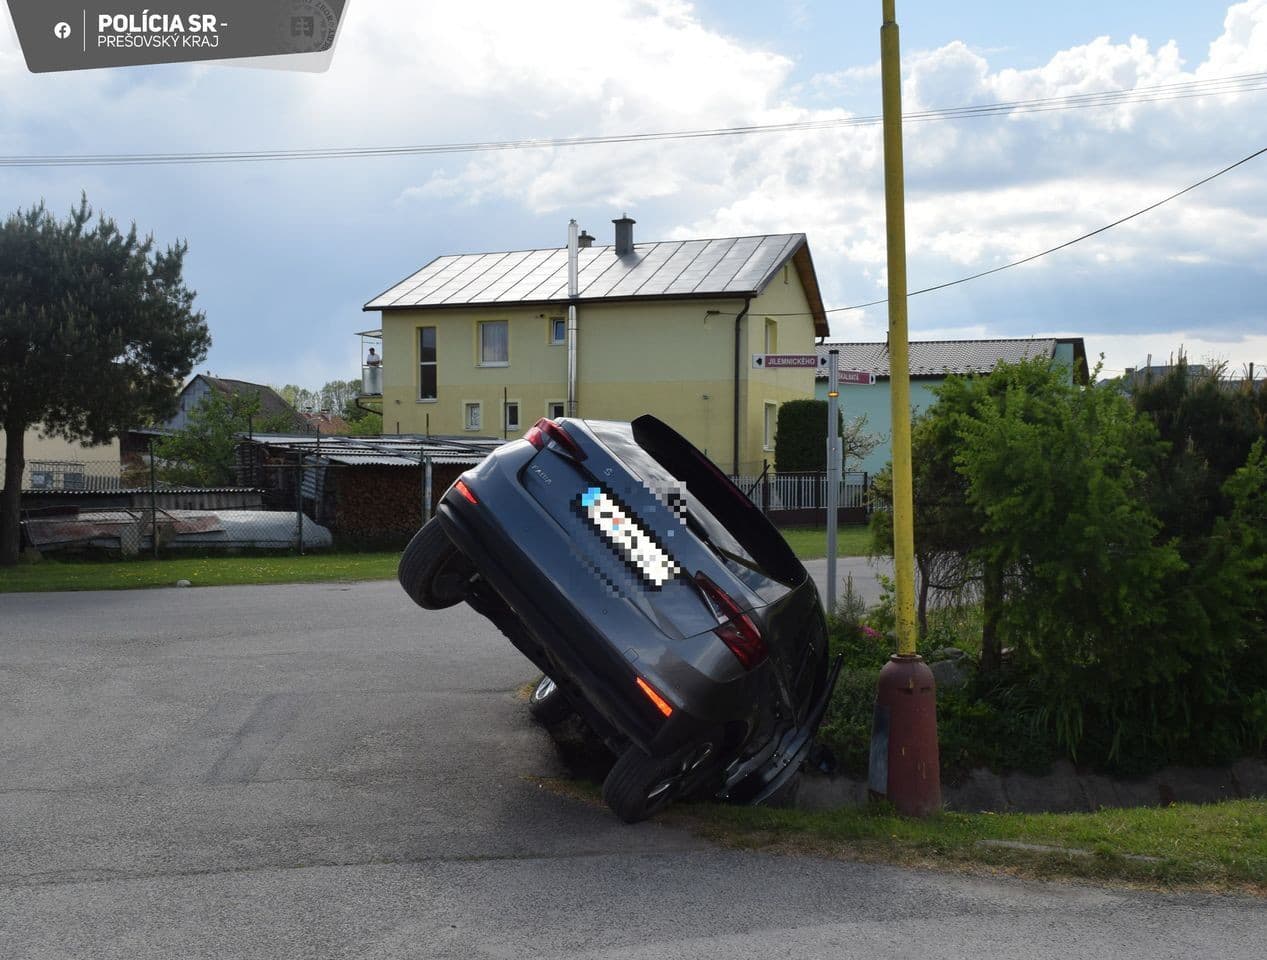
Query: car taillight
[[463, 489], [737, 630], [545, 430]]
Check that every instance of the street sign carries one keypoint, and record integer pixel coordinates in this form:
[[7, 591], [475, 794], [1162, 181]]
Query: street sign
[[856, 377], [774, 360]]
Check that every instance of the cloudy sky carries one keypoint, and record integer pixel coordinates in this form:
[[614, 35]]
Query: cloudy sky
[[284, 254]]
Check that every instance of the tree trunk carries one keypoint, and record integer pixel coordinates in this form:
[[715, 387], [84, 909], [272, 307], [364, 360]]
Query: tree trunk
[[922, 565], [11, 497], [992, 608]]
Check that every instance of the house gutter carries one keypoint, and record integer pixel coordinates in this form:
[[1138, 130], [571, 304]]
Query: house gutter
[[738, 366]]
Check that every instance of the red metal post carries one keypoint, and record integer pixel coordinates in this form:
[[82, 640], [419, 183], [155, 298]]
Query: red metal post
[[905, 766]]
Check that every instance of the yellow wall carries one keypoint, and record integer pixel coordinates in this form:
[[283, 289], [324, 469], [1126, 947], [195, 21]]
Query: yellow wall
[[795, 334], [99, 461], [36, 447], [673, 359]]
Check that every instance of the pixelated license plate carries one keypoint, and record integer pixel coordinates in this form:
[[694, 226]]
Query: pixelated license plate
[[626, 537]]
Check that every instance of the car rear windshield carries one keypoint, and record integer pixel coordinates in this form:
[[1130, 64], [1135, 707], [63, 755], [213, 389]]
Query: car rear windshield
[[719, 510]]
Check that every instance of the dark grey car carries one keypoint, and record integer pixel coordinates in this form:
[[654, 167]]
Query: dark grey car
[[661, 605]]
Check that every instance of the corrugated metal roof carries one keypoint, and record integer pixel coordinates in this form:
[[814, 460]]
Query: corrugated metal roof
[[384, 451], [115, 491], [731, 267], [938, 358]]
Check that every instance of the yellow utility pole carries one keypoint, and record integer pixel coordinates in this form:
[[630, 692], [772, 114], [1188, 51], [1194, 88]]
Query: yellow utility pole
[[899, 347], [905, 767]]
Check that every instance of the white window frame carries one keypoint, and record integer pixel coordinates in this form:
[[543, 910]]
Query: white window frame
[[771, 335], [479, 344], [519, 414], [563, 409], [435, 364], [561, 340], [769, 424], [479, 415]]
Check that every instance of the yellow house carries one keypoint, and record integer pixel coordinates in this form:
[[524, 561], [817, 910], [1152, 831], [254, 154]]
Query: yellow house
[[477, 344], [53, 463]]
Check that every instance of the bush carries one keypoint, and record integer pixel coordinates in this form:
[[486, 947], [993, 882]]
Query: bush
[[1120, 556], [800, 439]]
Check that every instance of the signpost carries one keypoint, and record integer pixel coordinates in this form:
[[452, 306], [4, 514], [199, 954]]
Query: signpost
[[835, 461], [833, 474], [835, 457]]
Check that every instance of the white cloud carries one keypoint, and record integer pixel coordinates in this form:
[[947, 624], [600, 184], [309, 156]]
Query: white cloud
[[980, 192]]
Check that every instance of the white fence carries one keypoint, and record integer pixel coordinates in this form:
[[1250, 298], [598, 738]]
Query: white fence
[[803, 491]]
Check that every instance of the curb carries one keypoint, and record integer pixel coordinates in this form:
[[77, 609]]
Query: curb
[[1064, 790]]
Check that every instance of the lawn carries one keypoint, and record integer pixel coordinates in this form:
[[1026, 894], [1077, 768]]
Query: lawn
[[199, 571], [1220, 845], [810, 543], [49, 574]]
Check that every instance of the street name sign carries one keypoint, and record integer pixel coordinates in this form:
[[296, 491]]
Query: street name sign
[[775, 360], [863, 378]]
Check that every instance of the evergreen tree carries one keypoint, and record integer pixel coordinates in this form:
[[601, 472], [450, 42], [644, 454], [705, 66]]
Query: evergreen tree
[[97, 331]]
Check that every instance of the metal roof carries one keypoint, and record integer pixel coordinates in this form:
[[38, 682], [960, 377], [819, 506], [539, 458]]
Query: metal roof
[[402, 451], [939, 358], [730, 267]]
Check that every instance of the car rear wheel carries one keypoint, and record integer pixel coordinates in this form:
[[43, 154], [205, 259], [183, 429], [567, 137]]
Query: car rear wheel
[[639, 786], [547, 703], [434, 572]]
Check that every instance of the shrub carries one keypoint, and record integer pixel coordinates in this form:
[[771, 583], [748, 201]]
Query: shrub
[[800, 440], [1120, 555]]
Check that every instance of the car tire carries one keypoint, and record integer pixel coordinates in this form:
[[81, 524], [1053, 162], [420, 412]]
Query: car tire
[[432, 570], [639, 786], [548, 704]]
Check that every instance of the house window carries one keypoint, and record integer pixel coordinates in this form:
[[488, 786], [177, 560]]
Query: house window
[[494, 343], [471, 415], [510, 414], [770, 425], [555, 409], [771, 335], [558, 330], [427, 363]]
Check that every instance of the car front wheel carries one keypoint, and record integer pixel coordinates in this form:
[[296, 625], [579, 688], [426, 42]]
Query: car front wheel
[[548, 704]]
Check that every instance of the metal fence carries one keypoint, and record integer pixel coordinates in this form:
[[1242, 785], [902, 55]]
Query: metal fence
[[72, 475], [801, 493], [297, 503]]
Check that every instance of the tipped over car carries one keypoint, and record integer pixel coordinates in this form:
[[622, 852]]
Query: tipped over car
[[661, 606]]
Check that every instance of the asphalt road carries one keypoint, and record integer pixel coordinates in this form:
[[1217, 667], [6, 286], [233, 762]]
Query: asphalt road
[[324, 771], [858, 571]]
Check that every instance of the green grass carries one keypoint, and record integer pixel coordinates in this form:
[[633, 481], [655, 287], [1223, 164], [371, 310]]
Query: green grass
[[258, 568], [1221, 846], [199, 571], [810, 543]]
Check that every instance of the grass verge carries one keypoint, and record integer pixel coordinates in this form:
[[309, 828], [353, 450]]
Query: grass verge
[[1220, 847], [810, 543], [199, 571], [1214, 846]]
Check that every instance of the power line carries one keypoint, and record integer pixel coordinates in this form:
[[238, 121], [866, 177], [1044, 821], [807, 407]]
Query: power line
[[1049, 250], [1243, 83]]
